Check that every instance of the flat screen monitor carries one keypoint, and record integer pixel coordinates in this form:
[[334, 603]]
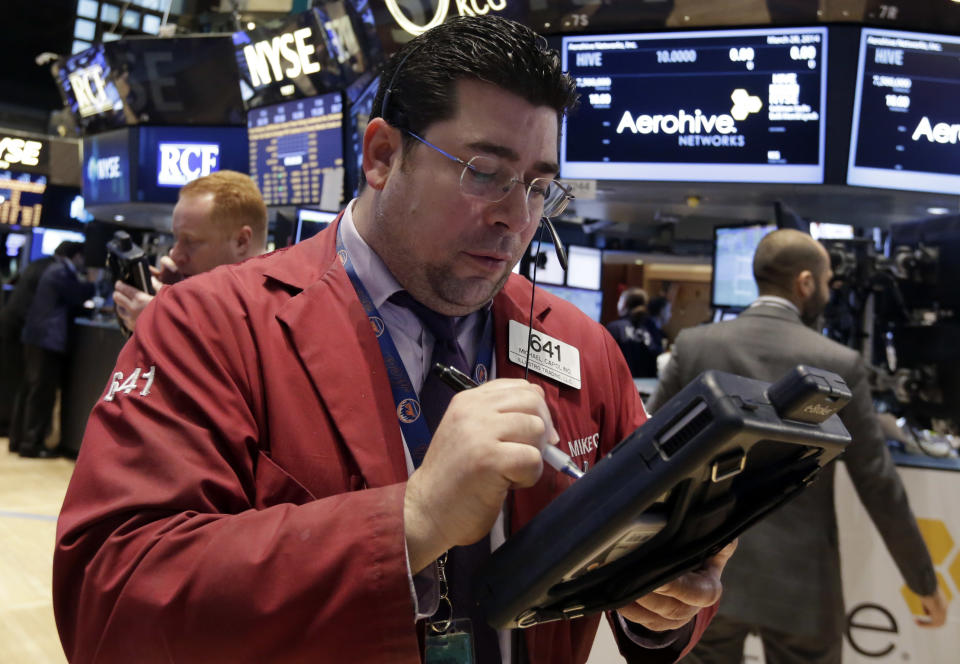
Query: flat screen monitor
[[296, 151], [107, 174], [21, 198], [549, 270], [827, 231], [584, 265], [720, 106], [906, 113], [46, 240], [589, 302], [733, 285], [310, 222]]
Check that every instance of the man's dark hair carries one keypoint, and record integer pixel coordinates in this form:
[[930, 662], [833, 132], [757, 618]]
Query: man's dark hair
[[781, 256], [657, 305], [483, 48], [68, 249]]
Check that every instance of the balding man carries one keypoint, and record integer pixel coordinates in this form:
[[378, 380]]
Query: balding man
[[784, 582], [219, 219]]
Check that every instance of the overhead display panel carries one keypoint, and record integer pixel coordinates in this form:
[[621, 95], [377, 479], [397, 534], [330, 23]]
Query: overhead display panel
[[718, 106], [296, 151], [906, 115], [310, 53]]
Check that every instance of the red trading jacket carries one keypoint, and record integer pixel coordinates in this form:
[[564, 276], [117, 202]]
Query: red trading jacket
[[239, 491]]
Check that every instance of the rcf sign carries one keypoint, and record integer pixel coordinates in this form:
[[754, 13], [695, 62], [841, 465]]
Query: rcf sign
[[180, 163]]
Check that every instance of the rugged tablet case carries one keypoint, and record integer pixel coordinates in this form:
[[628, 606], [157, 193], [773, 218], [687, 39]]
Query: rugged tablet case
[[714, 459]]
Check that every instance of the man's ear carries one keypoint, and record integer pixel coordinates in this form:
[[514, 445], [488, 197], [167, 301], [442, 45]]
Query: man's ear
[[805, 284], [242, 240], [382, 146]]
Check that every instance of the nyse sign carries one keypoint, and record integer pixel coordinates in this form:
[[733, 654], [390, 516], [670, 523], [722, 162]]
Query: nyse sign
[[180, 163], [90, 88], [288, 55], [14, 151], [464, 7]]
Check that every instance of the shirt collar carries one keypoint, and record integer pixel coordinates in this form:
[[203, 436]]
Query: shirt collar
[[776, 301]]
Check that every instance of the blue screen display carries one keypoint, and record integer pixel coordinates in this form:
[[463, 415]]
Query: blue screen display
[[296, 151], [734, 246], [170, 157], [906, 112], [722, 106], [589, 302], [106, 167]]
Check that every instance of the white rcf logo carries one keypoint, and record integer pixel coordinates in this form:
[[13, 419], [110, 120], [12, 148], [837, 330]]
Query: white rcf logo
[[694, 123], [181, 163]]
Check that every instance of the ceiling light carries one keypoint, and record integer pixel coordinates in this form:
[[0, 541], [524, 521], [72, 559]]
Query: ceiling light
[[118, 217], [939, 210], [251, 25]]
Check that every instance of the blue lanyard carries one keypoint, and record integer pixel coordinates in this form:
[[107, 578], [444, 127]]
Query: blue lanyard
[[416, 434]]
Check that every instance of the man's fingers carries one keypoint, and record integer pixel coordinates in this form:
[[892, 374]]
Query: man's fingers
[[651, 619], [699, 588]]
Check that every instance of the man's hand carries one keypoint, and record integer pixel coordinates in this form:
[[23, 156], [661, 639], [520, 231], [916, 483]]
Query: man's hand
[[671, 606], [935, 606], [130, 302], [488, 442], [168, 272]]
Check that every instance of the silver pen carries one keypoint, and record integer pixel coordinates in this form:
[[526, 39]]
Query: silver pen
[[553, 455]]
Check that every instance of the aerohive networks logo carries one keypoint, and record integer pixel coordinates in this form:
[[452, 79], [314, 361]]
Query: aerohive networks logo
[[940, 545], [691, 127]]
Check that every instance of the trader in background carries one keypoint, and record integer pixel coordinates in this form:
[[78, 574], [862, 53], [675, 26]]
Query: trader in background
[[784, 581], [275, 474], [12, 317], [219, 219], [60, 294], [632, 334]]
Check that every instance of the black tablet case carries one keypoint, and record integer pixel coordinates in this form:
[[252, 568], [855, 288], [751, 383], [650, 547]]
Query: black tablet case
[[714, 459]]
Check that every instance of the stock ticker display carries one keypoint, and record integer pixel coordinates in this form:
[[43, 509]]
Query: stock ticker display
[[723, 106], [21, 198], [296, 151], [906, 126]]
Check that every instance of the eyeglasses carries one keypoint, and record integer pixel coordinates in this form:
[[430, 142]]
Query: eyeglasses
[[492, 180]]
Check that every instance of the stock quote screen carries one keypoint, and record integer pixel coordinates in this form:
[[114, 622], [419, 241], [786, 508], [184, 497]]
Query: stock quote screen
[[906, 122], [721, 106], [296, 151]]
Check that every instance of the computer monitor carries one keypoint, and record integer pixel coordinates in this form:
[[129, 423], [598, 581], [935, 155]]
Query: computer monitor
[[310, 222], [549, 271], [733, 285], [46, 240], [296, 151], [743, 105], [589, 302], [584, 266], [904, 133]]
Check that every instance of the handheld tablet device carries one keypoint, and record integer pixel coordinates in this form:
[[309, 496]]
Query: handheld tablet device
[[717, 457]]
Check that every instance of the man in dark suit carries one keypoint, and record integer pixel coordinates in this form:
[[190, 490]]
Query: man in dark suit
[[59, 293], [784, 581], [12, 317]]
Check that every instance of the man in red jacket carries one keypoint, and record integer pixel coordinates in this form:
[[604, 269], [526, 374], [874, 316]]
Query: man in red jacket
[[259, 483]]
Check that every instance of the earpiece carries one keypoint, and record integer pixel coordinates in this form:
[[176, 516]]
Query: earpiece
[[561, 252]]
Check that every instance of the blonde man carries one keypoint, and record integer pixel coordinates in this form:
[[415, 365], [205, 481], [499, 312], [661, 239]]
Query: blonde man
[[219, 219]]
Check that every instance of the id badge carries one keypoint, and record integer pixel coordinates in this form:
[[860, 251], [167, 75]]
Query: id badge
[[454, 646]]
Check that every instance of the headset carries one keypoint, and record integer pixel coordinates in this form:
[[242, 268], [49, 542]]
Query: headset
[[401, 121]]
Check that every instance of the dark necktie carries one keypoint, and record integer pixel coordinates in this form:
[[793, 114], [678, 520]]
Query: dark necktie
[[435, 396]]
